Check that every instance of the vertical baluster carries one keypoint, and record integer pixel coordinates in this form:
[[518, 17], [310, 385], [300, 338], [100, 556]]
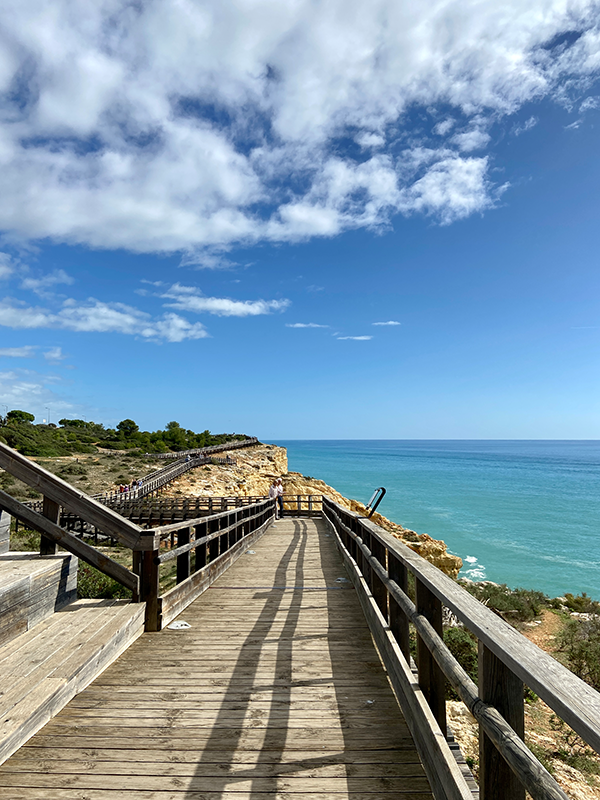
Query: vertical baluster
[[183, 560], [150, 589], [501, 688], [51, 511], [431, 677], [377, 586], [398, 619]]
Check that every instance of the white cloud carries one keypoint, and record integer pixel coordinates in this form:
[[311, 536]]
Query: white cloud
[[354, 338], [6, 266], [189, 298], [17, 352], [99, 317], [589, 104], [475, 139], [182, 126], [574, 125], [391, 322], [526, 126], [41, 285], [33, 392], [304, 325], [54, 355], [444, 127]]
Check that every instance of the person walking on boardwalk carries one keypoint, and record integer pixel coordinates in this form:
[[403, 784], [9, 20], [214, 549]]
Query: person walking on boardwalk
[[280, 496], [273, 495]]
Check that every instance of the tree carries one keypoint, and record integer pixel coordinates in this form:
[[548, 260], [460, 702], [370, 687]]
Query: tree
[[20, 416], [127, 427]]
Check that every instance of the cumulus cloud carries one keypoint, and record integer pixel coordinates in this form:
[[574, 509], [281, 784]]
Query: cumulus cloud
[[390, 322], [17, 352], [304, 325], [193, 127], [354, 338], [189, 298], [98, 317]]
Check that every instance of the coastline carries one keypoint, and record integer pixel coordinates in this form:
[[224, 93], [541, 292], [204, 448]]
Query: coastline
[[253, 473]]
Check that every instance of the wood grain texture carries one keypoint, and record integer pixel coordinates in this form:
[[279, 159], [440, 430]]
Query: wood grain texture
[[275, 691]]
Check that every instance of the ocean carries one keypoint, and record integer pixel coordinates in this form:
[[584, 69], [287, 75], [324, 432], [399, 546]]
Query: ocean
[[524, 513]]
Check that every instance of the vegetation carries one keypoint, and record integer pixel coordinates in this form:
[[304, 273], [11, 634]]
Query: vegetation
[[579, 640], [463, 646], [18, 430], [514, 605]]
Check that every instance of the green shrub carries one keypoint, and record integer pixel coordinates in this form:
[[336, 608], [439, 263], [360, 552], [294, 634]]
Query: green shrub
[[94, 584], [582, 603], [579, 640], [463, 646], [514, 605]]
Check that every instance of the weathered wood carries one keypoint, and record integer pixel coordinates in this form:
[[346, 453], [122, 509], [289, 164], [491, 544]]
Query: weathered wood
[[499, 687], [149, 589], [398, 619], [431, 678], [51, 511], [5, 520], [445, 777], [183, 559], [71, 543], [572, 699], [65, 495], [377, 587]]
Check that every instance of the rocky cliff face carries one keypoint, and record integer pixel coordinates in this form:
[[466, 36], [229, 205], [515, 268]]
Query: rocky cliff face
[[253, 473]]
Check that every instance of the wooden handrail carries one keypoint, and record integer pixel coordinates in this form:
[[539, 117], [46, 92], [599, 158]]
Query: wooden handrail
[[64, 494], [572, 699], [71, 543]]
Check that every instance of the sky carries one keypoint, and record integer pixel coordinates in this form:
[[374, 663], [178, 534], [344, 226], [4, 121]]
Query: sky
[[300, 219]]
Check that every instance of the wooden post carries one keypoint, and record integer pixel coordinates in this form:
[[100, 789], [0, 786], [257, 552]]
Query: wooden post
[[431, 678], [184, 560], [377, 587], [502, 689], [398, 619], [51, 511], [4, 532], [150, 589]]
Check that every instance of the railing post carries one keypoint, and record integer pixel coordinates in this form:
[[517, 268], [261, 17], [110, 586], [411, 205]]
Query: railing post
[[501, 688], [184, 560], [4, 531], [431, 678], [51, 511], [378, 589], [150, 589], [398, 619]]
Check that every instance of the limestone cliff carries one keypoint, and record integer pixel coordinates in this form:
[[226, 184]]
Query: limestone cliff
[[253, 473]]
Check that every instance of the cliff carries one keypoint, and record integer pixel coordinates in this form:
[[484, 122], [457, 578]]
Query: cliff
[[253, 473]]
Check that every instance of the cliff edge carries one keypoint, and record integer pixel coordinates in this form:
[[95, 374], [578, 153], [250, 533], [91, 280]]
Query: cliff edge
[[253, 473]]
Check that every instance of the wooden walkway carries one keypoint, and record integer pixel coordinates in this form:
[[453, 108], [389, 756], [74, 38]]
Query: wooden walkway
[[274, 691]]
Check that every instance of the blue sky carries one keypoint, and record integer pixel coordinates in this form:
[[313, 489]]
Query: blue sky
[[303, 220]]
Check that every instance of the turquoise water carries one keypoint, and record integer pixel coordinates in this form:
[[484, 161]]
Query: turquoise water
[[525, 513]]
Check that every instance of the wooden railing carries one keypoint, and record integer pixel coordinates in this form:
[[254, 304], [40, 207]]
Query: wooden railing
[[218, 539], [204, 548], [379, 565], [206, 451]]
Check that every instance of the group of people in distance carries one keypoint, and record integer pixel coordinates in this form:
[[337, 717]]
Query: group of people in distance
[[276, 491], [135, 485]]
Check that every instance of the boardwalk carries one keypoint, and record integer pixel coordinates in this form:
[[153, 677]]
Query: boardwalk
[[274, 691]]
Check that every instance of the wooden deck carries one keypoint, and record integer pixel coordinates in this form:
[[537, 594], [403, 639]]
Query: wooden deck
[[274, 691]]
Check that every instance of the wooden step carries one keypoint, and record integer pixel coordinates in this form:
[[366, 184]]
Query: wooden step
[[32, 588], [44, 668]]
